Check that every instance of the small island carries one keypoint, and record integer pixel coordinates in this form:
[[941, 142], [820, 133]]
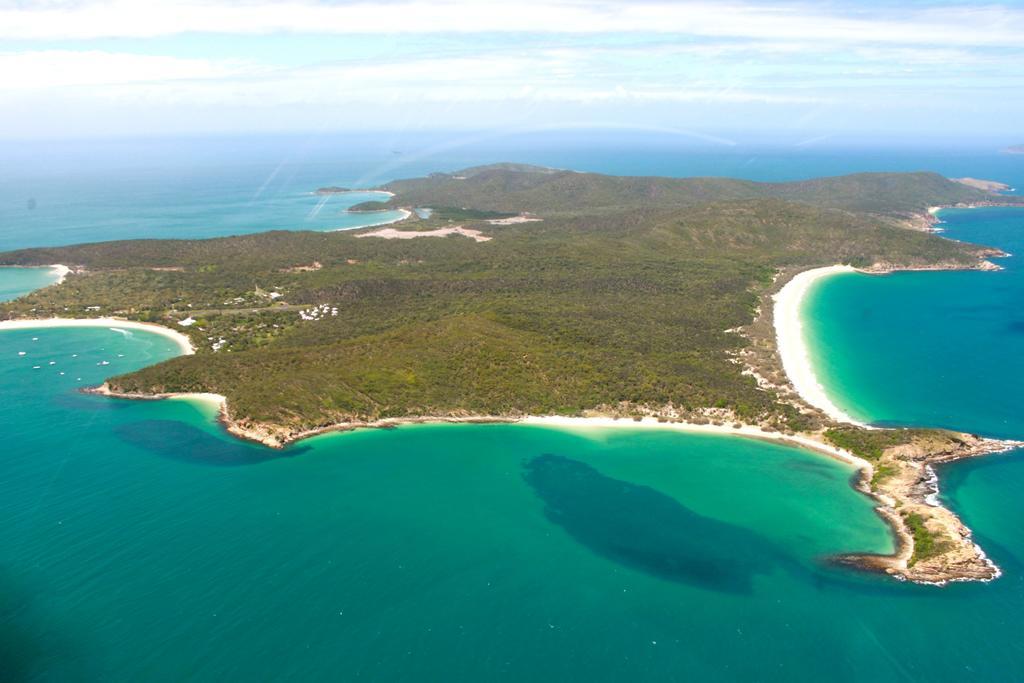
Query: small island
[[1014, 149], [553, 297]]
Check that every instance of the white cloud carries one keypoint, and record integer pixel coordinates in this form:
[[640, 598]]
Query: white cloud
[[541, 77], [743, 60], [44, 69], [963, 25]]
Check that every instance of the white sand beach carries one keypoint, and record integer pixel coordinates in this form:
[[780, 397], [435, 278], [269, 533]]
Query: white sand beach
[[405, 214], [111, 323], [792, 345], [215, 400], [61, 271], [747, 431]]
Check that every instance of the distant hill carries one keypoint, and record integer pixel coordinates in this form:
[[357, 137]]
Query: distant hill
[[514, 188], [1014, 149]]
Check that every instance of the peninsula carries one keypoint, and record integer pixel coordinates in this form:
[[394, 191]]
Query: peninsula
[[540, 293], [984, 185]]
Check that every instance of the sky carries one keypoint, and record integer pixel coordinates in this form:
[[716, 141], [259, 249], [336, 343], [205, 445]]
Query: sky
[[715, 71]]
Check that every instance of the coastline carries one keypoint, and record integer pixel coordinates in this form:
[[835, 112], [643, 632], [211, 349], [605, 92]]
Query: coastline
[[911, 491], [788, 322], [347, 190], [792, 345], [929, 219], [406, 214], [903, 499], [61, 271], [183, 342], [742, 431], [907, 489], [283, 438], [58, 270]]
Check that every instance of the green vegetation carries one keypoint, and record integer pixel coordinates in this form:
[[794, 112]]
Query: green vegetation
[[927, 543], [870, 443], [619, 299], [524, 188], [451, 213], [882, 472], [368, 207]]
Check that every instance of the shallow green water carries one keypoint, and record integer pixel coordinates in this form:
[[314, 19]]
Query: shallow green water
[[15, 282], [141, 543]]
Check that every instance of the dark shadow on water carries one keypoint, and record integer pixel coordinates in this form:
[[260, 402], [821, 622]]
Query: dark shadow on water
[[182, 442], [34, 646], [79, 402], [646, 530], [816, 467]]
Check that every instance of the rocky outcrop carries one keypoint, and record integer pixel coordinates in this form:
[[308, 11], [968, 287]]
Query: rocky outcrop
[[933, 545]]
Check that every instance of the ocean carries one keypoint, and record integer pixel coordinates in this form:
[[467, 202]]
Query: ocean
[[86, 191], [942, 349], [15, 282], [142, 543]]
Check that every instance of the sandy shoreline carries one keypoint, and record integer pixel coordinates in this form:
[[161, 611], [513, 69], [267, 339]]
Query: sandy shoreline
[[744, 431], [791, 343], [912, 488], [58, 270], [61, 271], [186, 348], [405, 214], [583, 424], [792, 346], [184, 345]]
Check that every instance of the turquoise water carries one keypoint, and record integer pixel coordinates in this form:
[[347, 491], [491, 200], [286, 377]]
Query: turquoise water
[[67, 192], [15, 282], [941, 349], [139, 542], [122, 204]]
